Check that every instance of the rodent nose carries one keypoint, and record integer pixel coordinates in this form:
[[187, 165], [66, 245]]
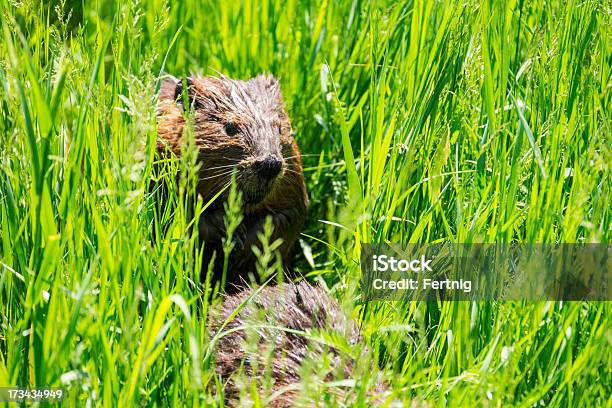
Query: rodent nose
[[268, 167]]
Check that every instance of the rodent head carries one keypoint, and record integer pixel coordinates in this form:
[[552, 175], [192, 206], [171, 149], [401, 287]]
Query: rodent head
[[239, 126]]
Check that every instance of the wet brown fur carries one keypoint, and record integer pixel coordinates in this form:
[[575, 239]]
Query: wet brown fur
[[301, 307], [254, 107]]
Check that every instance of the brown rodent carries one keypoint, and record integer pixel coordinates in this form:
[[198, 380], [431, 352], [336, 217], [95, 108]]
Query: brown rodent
[[238, 126], [278, 321]]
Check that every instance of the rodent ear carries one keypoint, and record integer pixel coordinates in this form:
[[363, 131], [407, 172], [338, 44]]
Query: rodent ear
[[180, 92], [167, 89], [269, 83], [273, 85]]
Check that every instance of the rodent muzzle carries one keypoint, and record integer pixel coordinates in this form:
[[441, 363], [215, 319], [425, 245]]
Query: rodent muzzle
[[268, 167], [259, 178]]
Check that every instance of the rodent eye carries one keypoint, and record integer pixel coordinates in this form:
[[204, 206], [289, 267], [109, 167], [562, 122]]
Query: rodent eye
[[231, 128]]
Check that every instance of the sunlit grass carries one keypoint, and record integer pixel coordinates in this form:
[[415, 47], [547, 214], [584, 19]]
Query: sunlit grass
[[419, 122]]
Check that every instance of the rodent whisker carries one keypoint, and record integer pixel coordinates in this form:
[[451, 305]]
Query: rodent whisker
[[217, 171], [232, 159], [228, 183], [216, 175], [219, 167], [301, 155], [292, 171], [220, 185], [225, 186]]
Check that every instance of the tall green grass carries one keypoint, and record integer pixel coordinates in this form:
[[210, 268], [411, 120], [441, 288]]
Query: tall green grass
[[419, 121]]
